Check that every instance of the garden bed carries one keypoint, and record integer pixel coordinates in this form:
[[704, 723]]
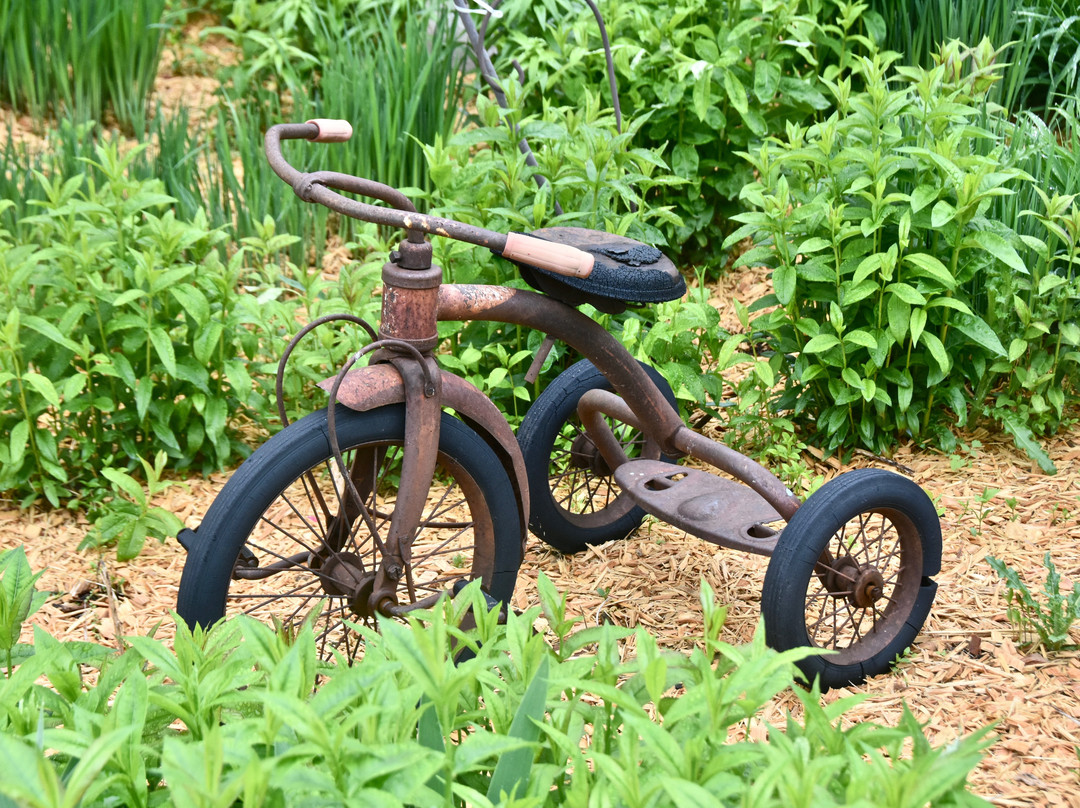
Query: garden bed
[[966, 670]]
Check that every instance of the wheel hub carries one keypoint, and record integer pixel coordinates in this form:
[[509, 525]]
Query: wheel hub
[[862, 585], [869, 587], [585, 455], [343, 575]]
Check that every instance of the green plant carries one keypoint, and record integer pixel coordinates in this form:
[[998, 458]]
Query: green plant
[[715, 78], [983, 509], [515, 722], [124, 334], [893, 288], [1043, 622], [61, 57], [1037, 39], [130, 518], [394, 72], [19, 598]]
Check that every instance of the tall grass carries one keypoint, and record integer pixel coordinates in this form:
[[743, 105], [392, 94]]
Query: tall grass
[[398, 79], [1040, 41], [394, 73], [78, 58]]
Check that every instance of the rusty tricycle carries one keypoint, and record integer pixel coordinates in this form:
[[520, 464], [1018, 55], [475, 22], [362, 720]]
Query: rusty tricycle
[[411, 482]]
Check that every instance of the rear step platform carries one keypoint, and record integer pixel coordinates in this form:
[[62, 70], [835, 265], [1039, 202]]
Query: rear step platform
[[712, 508]]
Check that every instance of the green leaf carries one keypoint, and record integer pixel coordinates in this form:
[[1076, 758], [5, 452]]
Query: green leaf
[[163, 347], [144, 391], [17, 595], [821, 343], [126, 483], [50, 331], [923, 196], [937, 350], [207, 340], [860, 337], [783, 278], [736, 93], [1000, 249], [43, 386], [193, 301], [929, 266], [942, 213], [766, 79], [20, 440], [852, 378], [702, 95], [124, 298], [1025, 440], [899, 314], [684, 160], [976, 329], [512, 770], [909, 294]]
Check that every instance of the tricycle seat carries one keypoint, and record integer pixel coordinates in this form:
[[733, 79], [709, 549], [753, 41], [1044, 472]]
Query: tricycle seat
[[626, 272]]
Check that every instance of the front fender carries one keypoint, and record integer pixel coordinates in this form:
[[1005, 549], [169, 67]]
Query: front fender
[[374, 386]]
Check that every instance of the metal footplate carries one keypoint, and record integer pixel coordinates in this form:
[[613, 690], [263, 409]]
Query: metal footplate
[[713, 508]]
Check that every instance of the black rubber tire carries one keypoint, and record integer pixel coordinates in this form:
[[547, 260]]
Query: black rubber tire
[[854, 518], [602, 513], [486, 543]]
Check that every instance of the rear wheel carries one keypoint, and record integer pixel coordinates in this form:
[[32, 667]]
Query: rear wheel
[[283, 541], [851, 573], [575, 501]]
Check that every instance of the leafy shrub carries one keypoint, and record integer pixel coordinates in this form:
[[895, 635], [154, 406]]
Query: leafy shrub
[[1038, 39], [517, 724], [123, 333], [714, 78], [894, 291]]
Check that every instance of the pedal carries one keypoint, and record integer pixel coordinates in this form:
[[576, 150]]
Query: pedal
[[712, 508]]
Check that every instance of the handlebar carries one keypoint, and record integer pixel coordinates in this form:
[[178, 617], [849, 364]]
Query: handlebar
[[317, 187]]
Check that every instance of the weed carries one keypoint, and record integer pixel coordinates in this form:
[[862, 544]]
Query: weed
[[1045, 624]]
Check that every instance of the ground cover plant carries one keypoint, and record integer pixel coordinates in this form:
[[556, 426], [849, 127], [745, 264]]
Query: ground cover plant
[[531, 719]]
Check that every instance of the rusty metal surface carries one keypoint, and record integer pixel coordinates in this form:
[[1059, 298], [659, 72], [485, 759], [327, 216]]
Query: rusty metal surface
[[423, 413], [739, 465], [710, 507], [375, 386], [410, 304], [316, 187], [521, 307], [591, 408]]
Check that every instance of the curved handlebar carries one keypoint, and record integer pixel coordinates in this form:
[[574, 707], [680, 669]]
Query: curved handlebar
[[316, 187]]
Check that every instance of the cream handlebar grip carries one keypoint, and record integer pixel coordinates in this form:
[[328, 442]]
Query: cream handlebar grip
[[331, 130], [549, 255]]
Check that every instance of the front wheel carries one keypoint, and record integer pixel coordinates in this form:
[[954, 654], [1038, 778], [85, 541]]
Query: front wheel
[[286, 544], [851, 574]]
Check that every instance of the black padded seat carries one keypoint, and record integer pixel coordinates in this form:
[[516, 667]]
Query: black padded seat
[[626, 272]]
